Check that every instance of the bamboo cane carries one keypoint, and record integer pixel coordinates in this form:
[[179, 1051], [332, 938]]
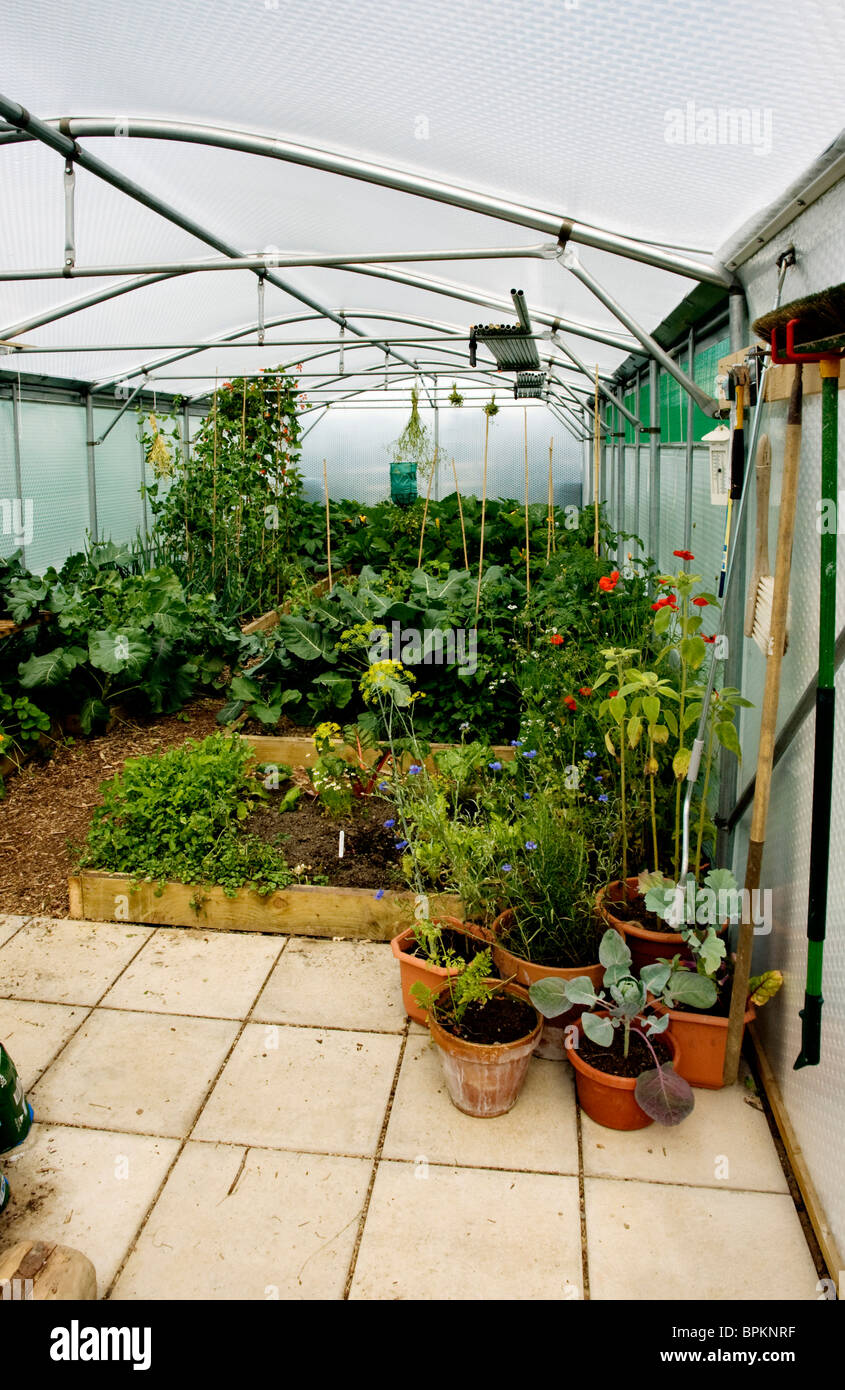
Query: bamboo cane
[[768, 727], [461, 515], [527, 540], [483, 515], [425, 509], [596, 466], [328, 522], [550, 543]]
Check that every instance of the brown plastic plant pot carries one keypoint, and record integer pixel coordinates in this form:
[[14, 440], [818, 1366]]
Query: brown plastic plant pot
[[551, 1044], [415, 969], [610, 1100], [702, 1039], [485, 1079]]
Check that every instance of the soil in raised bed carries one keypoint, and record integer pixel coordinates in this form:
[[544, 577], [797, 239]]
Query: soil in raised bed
[[611, 1060], [503, 1019], [50, 802], [308, 836]]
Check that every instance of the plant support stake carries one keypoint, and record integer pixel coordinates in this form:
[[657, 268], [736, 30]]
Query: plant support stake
[[328, 524], [483, 515]]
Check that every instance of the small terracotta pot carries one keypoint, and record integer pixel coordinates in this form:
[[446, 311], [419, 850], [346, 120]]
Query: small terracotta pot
[[702, 1039], [610, 1100], [551, 1044], [413, 968], [485, 1079]]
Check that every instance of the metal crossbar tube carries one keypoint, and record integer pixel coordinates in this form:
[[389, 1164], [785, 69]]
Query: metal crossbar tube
[[55, 139], [277, 260], [605, 390], [553, 224]]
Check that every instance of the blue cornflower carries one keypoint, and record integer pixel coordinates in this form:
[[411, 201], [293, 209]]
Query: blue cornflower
[[530, 844], [604, 797], [506, 868], [414, 769], [495, 767], [401, 844], [526, 796], [389, 824], [382, 786], [598, 779], [590, 753], [532, 753], [379, 893]]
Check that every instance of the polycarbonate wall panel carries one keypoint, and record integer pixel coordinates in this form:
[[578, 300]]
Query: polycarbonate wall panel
[[671, 513], [54, 477], [119, 462], [708, 522], [12, 521], [357, 447], [813, 1095]]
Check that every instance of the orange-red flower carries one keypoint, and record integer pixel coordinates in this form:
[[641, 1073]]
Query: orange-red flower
[[684, 554], [586, 691], [701, 602], [668, 602], [571, 703], [608, 582], [709, 639], [556, 640]]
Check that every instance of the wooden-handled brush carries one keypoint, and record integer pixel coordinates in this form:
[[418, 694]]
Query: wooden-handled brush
[[758, 605]]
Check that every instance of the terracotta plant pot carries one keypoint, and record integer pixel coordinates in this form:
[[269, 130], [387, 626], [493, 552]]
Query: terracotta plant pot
[[485, 1079], [413, 968], [645, 946], [551, 1044], [702, 1039], [610, 1100]]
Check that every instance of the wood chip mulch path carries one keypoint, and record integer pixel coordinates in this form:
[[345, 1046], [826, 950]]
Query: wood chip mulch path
[[49, 804]]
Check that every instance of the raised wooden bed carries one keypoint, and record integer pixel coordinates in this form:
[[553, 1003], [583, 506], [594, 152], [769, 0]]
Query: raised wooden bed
[[300, 752], [300, 911]]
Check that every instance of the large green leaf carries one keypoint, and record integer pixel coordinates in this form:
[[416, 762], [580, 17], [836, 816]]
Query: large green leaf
[[304, 639], [51, 668], [24, 596], [340, 687], [613, 949], [598, 1030], [550, 996], [114, 652]]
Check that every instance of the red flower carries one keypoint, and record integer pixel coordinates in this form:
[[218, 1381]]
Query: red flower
[[612, 693], [684, 554], [608, 582], [700, 602], [556, 640], [664, 579], [586, 691], [668, 602], [709, 639], [571, 703]]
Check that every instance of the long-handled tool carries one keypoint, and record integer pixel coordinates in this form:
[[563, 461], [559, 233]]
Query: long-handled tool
[[768, 728], [760, 600], [739, 380], [814, 331]]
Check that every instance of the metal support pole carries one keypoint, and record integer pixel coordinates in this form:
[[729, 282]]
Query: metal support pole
[[126, 404], [653, 463], [16, 437], [689, 480], [70, 234], [606, 392], [734, 612], [143, 489], [186, 432], [638, 476], [92, 466], [708, 404], [621, 554]]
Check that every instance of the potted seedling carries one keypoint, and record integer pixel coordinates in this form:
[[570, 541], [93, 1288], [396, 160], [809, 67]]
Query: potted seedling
[[701, 915], [625, 1062], [485, 1031]]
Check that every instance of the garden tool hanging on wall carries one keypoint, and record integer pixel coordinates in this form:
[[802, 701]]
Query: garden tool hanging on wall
[[738, 392], [813, 330]]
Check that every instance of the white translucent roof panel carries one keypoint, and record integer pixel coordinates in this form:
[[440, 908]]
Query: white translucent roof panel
[[590, 109]]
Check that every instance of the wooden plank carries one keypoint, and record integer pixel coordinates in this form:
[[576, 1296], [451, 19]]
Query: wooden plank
[[75, 896], [265, 623], [300, 752], [815, 1210], [298, 911]]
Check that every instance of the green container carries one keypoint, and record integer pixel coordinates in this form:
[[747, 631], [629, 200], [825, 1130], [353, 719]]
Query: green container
[[403, 483], [15, 1111]]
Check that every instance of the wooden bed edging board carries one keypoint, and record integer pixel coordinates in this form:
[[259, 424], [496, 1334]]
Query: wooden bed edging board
[[298, 911], [300, 752]]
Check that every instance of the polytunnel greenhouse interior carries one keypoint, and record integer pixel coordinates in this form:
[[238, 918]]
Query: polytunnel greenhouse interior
[[419, 655]]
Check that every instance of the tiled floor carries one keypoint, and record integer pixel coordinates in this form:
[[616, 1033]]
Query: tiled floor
[[243, 1116]]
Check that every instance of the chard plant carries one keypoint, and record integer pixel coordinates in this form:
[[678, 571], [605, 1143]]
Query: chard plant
[[622, 1006]]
